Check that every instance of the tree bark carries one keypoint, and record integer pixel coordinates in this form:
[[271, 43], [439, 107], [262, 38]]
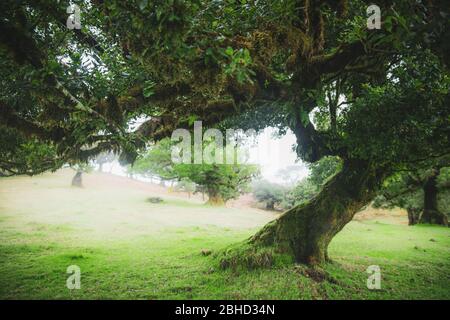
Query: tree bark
[[431, 214], [413, 216], [77, 180], [305, 231]]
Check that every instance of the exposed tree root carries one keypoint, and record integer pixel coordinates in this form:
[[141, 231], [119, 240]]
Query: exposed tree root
[[249, 256]]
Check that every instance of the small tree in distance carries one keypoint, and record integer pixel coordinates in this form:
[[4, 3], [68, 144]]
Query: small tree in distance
[[320, 172], [221, 182], [271, 194], [77, 180]]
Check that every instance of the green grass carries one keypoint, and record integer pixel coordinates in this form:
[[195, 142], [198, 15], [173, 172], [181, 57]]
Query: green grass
[[140, 254]]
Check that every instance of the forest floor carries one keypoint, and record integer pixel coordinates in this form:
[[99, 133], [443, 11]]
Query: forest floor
[[129, 248]]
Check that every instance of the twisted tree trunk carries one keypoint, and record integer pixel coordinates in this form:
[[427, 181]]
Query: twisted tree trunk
[[306, 230]]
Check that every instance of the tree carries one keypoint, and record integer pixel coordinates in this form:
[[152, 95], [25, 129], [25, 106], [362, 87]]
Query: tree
[[417, 192], [431, 212], [269, 193], [77, 180], [221, 182], [156, 162], [377, 99], [304, 191]]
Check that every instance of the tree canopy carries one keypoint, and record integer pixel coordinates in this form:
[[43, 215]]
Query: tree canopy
[[73, 93]]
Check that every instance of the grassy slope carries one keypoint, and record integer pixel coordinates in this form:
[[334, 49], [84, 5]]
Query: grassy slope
[[128, 248]]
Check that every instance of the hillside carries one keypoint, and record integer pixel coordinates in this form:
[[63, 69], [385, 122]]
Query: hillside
[[127, 247]]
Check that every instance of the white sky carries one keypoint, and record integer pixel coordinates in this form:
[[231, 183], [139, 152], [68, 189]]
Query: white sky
[[274, 154]]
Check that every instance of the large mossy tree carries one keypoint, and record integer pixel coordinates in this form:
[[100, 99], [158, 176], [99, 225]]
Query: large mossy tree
[[377, 99]]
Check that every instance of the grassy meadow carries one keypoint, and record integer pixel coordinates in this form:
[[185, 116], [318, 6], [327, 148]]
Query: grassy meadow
[[129, 248]]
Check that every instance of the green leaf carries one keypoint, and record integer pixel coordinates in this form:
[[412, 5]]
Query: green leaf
[[149, 89], [143, 4], [304, 117], [229, 51], [191, 119]]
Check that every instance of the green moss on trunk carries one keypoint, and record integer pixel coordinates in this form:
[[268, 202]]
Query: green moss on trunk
[[305, 231]]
